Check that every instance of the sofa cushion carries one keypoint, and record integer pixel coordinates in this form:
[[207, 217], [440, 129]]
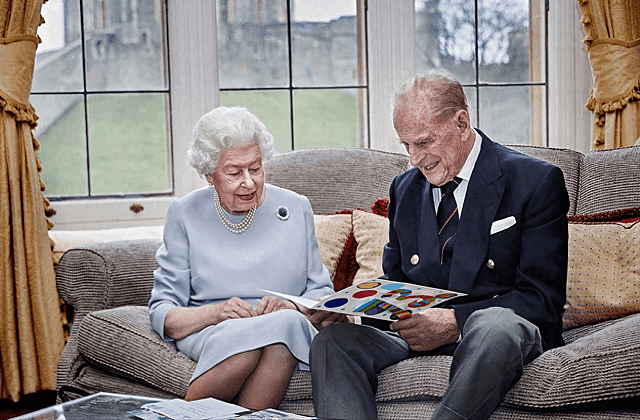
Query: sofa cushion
[[603, 272], [609, 180], [122, 341], [332, 232], [414, 378], [371, 232], [597, 367], [567, 160], [355, 177], [601, 366]]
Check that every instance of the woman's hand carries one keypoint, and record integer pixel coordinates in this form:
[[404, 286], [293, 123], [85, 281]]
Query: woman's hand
[[270, 304], [181, 322], [234, 308]]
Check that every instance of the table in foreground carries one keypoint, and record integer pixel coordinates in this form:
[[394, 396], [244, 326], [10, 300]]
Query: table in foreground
[[110, 406], [99, 406]]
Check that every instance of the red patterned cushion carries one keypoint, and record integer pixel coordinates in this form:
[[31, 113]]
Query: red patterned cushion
[[380, 206]]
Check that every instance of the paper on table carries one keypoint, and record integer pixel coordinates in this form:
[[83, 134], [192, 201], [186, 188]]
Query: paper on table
[[272, 414], [205, 408]]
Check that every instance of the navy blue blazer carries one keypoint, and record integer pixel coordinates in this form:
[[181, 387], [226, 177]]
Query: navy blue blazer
[[523, 267]]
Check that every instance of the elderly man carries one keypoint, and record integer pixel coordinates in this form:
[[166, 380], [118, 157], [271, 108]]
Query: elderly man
[[472, 216]]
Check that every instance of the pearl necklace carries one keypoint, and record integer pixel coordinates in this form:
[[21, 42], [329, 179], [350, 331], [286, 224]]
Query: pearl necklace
[[233, 227]]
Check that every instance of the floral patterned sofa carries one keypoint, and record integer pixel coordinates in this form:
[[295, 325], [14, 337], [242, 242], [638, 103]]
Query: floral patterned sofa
[[596, 375]]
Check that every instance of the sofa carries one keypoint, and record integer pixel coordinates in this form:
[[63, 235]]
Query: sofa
[[596, 375]]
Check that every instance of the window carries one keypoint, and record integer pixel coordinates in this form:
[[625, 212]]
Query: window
[[497, 49], [101, 90], [299, 66], [184, 81]]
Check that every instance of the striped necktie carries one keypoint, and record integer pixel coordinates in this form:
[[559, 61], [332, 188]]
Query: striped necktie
[[447, 217]]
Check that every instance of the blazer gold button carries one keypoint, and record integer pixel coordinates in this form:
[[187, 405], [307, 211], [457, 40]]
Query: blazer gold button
[[490, 264], [415, 259]]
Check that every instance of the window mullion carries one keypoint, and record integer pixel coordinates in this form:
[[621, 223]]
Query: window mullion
[[392, 59]]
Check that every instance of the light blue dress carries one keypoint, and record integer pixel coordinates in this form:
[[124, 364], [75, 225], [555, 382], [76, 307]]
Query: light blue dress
[[202, 263]]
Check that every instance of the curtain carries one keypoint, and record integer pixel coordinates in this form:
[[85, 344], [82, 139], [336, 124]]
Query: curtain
[[31, 332], [612, 29]]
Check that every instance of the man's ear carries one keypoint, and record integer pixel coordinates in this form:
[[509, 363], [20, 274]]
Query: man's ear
[[462, 119]]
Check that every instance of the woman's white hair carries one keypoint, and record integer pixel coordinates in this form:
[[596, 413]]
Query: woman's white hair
[[225, 127]]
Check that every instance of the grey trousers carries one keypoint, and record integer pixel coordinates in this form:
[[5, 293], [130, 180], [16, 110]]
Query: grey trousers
[[346, 358]]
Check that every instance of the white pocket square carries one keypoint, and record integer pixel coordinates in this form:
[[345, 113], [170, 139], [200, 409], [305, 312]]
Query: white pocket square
[[502, 224]]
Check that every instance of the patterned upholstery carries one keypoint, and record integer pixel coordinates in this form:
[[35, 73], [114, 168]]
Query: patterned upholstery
[[609, 180], [325, 176], [565, 159], [112, 347]]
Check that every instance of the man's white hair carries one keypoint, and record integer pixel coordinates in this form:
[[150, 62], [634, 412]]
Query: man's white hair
[[442, 90]]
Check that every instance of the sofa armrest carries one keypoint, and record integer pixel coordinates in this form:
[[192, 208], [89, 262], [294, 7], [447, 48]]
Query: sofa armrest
[[107, 275]]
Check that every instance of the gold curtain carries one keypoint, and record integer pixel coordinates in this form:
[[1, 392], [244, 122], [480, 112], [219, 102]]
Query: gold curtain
[[612, 29], [31, 333]]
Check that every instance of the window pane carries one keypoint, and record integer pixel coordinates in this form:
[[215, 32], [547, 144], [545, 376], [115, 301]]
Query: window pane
[[252, 43], [63, 151], [470, 93], [326, 118], [324, 43], [59, 56], [514, 114], [503, 40], [124, 45], [128, 143], [445, 37], [272, 107]]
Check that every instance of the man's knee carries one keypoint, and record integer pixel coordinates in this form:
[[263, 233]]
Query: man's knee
[[338, 334], [503, 328]]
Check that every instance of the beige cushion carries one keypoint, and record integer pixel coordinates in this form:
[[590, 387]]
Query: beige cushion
[[332, 232], [371, 233], [603, 272]]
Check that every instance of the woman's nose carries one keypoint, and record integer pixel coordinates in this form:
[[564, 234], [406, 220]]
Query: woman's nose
[[247, 180]]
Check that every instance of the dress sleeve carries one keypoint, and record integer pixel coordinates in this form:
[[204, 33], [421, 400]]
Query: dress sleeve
[[318, 279], [173, 278]]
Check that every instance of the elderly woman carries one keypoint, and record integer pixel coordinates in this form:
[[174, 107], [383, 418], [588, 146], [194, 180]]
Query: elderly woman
[[224, 245]]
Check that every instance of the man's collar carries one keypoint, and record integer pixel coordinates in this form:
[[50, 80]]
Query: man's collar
[[470, 163]]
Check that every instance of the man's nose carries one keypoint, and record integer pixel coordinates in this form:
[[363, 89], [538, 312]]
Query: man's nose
[[415, 155]]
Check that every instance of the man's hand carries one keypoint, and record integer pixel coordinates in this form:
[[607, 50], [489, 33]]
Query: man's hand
[[428, 329], [324, 319]]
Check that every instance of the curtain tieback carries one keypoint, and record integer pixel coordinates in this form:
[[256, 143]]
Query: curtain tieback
[[615, 69], [17, 61]]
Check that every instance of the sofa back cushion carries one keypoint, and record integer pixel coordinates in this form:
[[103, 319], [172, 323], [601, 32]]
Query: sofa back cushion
[[336, 179], [609, 180], [567, 160]]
